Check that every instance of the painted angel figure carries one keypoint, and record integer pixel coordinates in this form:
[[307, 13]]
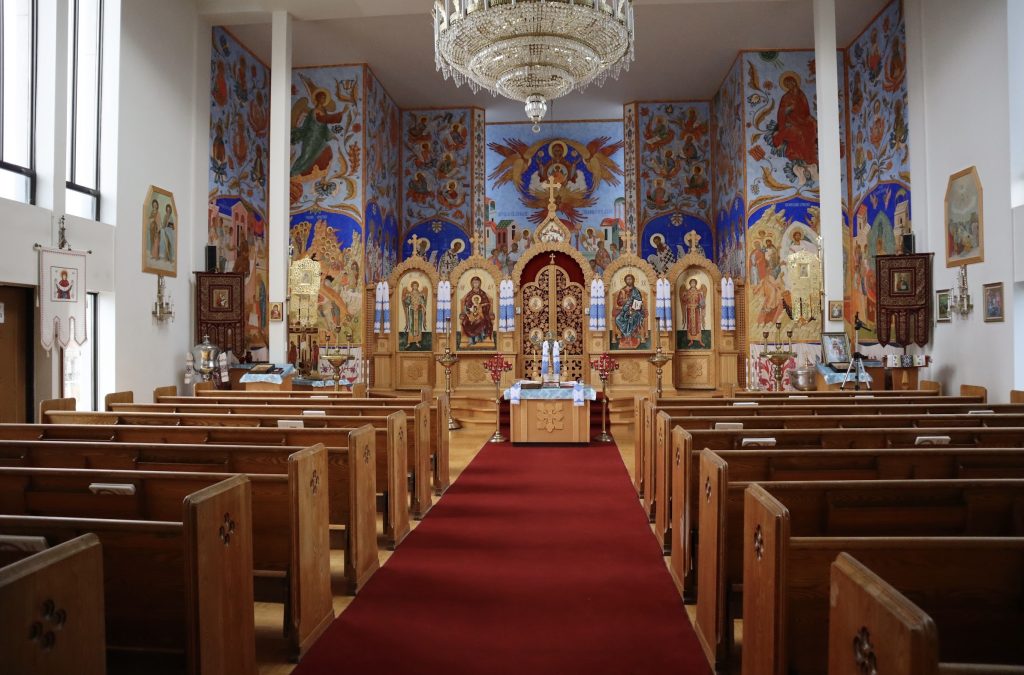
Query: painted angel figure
[[693, 301]]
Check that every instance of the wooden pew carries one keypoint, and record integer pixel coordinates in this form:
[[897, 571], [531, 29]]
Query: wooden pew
[[1005, 417], [861, 408], [47, 405], [786, 572], [833, 506], [1016, 396], [931, 385], [169, 390], [806, 400], [291, 537], [181, 587], [425, 394], [685, 464], [350, 478], [836, 393], [974, 390], [52, 606], [117, 397], [417, 430], [439, 412], [891, 634]]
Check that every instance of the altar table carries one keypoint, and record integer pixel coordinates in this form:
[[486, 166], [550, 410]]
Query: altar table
[[549, 416]]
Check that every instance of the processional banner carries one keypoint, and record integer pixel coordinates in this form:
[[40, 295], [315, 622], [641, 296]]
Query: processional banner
[[62, 311]]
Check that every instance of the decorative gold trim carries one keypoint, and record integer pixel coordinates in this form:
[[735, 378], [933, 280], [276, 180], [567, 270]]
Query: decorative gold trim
[[474, 262], [416, 263], [547, 248], [692, 259], [630, 260]]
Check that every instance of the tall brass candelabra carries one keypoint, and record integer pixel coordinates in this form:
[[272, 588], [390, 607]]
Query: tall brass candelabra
[[659, 359], [497, 366], [447, 360]]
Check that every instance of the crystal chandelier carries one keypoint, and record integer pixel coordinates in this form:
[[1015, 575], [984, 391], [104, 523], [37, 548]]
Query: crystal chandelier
[[532, 50]]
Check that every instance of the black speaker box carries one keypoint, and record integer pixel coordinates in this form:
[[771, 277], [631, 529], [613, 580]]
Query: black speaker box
[[211, 258]]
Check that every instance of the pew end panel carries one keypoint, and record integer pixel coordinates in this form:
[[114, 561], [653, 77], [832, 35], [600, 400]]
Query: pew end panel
[[398, 525], [54, 404], [712, 624], [638, 440], [440, 413], [647, 458], [310, 600], [117, 397], [663, 481], [974, 390], [765, 551], [680, 533], [219, 590], [886, 630], [55, 599], [419, 460], [361, 552], [168, 390]]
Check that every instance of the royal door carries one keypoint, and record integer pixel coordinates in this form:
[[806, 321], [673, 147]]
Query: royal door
[[551, 298]]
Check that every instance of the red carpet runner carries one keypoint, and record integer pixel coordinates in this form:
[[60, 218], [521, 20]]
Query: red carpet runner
[[537, 560]]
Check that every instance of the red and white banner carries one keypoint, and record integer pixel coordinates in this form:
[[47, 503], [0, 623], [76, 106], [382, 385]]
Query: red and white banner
[[62, 311]]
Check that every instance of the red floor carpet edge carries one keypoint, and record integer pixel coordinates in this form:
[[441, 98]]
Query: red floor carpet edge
[[537, 560]]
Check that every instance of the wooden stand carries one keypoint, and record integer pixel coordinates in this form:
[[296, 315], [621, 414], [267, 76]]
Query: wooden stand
[[550, 421]]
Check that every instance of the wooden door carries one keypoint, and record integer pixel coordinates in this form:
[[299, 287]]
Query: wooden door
[[553, 302], [15, 354]]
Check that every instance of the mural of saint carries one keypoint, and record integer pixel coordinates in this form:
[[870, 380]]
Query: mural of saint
[[693, 302], [630, 315], [311, 130], [796, 132], [476, 317], [414, 302], [662, 258], [450, 258]]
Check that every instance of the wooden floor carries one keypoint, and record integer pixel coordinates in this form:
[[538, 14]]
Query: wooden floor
[[271, 648]]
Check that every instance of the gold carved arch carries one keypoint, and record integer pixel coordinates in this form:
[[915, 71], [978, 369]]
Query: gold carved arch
[[474, 262], [629, 260], [696, 368], [414, 263], [542, 248], [693, 259]]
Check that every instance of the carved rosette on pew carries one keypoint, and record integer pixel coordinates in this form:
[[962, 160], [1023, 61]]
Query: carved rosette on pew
[[414, 338], [473, 331], [696, 337], [552, 280], [632, 333]]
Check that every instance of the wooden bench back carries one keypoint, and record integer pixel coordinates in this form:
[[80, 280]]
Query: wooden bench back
[[51, 604], [806, 401], [974, 390], [182, 586], [805, 408], [169, 390], [824, 421], [290, 525], [117, 397], [835, 393], [47, 405], [889, 631], [787, 588]]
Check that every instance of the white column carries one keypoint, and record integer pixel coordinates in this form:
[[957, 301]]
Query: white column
[[52, 107], [278, 200], [829, 173]]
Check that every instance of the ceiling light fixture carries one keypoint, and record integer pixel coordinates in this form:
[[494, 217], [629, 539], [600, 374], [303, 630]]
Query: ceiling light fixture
[[532, 50]]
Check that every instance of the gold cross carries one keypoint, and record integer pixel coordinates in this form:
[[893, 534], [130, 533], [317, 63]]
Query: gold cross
[[551, 185], [415, 248], [692, 240], [627, 240], [552, 257]]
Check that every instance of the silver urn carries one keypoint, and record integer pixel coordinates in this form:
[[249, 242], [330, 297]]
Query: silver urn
[[802, 379]]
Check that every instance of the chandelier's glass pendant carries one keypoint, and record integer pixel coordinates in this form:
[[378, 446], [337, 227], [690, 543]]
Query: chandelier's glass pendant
[[532, 50]]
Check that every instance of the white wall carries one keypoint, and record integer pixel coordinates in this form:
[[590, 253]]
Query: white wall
[[963, 94], [157, 123]]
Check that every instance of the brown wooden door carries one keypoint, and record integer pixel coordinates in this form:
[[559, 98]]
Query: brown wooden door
[[15, 354], [553, 302]]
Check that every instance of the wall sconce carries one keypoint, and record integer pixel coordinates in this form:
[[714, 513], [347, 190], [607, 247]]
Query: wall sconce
[[961, 300], [163, 308]]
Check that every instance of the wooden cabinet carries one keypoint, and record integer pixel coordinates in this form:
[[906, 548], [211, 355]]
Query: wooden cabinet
[[220, 310]]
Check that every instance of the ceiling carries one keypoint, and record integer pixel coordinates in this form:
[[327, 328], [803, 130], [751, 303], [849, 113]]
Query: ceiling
[[684, 47]]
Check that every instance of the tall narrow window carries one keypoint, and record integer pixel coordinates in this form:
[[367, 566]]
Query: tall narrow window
[[85, 62], [17, 99]]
